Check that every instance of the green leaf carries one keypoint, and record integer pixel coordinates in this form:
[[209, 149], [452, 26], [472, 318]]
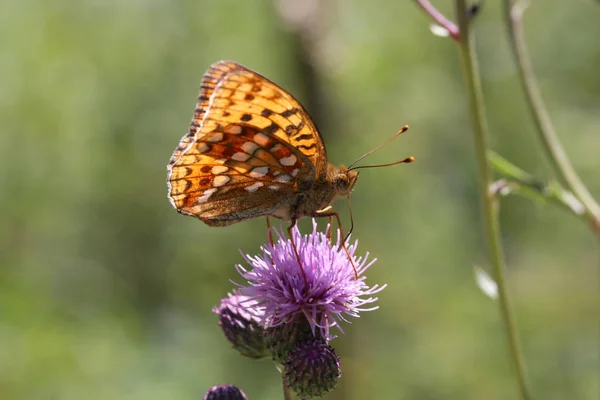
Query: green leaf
[[505, 168], [518, 182]]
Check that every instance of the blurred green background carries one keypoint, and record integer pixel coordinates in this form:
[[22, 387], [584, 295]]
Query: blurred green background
[[106, 291]]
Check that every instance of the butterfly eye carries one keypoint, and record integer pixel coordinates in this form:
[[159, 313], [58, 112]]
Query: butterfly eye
[[342, 182], [345, 181]]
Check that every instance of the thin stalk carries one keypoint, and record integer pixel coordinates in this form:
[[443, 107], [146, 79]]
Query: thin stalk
[[488, 202], [558, 157], [439, 18]]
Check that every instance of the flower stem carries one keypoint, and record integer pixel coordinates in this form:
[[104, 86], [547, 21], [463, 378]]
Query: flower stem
[[488, 202], [558, 157], [439, 18]]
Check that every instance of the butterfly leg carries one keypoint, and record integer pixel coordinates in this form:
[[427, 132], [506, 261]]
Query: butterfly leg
[[271, 242], [328, 213], [270, 232], [289, 231], [327, 209]]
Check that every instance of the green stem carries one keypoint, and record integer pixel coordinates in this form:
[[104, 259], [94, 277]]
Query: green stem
[[490, 215], [560, 161]]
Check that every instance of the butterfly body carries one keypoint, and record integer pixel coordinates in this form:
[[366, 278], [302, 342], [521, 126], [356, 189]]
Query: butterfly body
[[313, 197], [251, 151]]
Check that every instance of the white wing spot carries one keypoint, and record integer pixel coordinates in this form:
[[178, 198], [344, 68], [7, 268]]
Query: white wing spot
[[207, 193], [249, 147], [288, 161], [214, 137], [261, 139], [295, 172], [259, 172], [219, 169], [276, 148], [254, 187], [202, 147], [240, 156], [220, 180], [221, 160], [277, 172], [284, 178], [233, 129], [274, 187]]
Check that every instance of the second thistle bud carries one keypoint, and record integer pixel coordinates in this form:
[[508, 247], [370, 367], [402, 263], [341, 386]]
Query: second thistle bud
[[312, 369]]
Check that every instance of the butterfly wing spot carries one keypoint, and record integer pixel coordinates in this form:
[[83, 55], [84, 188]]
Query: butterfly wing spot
[[291, 130], [219, 169], [254, 187], [240, 156], [274, 187], [202, 147], [261, 139], [295, 172], [259, 172], [220, 180], [249, 147], [288, 161], [289, 112], [206, 195], [214, 137], [233, 129], [284, 178]]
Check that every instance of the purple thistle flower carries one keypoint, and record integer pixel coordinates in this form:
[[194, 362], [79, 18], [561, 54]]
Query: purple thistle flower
[[331, 293]]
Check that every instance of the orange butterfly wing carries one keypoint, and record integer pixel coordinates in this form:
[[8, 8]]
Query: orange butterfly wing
[[250, 149]]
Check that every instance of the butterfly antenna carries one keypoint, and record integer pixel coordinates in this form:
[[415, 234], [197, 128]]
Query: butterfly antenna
[[405, 161], [400, 132]]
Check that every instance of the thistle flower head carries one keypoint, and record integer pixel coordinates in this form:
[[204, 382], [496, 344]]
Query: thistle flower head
[[331, 292]]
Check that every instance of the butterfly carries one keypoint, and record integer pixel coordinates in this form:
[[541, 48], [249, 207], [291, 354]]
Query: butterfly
[[252, 150]]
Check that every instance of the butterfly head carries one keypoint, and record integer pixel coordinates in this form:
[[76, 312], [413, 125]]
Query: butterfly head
[[344, 180]]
